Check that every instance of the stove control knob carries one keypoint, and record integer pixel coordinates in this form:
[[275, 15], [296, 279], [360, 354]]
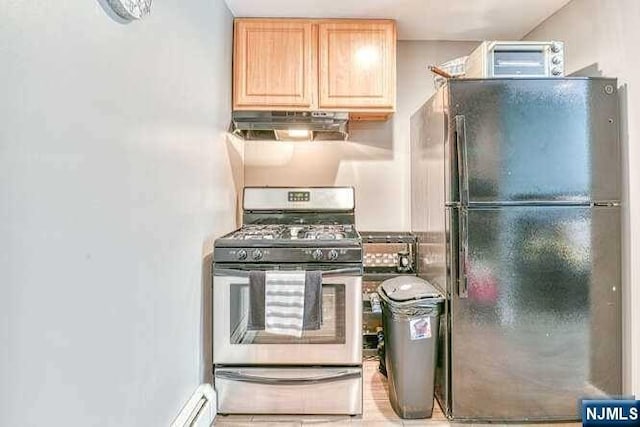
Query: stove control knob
[[242, 254], [333, 255], [257, 254], [317, 254]]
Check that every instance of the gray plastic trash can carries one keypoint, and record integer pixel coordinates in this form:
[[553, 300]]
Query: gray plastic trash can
[[410, 314]]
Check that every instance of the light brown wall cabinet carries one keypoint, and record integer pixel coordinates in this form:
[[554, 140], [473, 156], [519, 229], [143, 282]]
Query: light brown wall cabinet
[[274, 64], [357, 65], [300, 64]]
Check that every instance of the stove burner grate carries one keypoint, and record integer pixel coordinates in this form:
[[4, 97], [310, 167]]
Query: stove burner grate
[[294, 232]]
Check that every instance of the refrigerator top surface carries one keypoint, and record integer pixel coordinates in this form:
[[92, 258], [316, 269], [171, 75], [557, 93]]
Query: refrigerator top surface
[[524, 79]]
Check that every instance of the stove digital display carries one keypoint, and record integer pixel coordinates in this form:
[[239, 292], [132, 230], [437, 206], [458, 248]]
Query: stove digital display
[[299, 196]]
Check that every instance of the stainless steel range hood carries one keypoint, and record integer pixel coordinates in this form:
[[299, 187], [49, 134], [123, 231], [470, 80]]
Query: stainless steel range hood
[[290, 125]]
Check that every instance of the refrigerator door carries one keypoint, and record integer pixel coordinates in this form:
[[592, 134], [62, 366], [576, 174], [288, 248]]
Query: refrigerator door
[[533, 140], [535, 315]]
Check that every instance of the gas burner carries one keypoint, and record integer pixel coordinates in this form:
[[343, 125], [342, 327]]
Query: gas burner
[[259, 232], [294, 232], [324, 232]]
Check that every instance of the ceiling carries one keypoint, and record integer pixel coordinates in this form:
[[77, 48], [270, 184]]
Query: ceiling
[[419, 19]]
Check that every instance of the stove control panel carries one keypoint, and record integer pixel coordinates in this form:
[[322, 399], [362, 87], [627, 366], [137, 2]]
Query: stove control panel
[[321, 199], [287, 255], [299, 196]]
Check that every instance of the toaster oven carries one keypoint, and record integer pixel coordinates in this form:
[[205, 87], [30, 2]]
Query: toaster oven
[[516, 59]]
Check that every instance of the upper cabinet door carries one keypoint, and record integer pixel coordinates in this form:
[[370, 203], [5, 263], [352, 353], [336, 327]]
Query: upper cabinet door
[[357, 65], [274, 64]]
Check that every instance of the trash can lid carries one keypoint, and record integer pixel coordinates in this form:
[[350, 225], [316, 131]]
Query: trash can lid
[[406, 288]]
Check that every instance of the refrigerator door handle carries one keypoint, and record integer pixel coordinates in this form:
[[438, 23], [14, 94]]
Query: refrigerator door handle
[[464, 250], [461, 148]]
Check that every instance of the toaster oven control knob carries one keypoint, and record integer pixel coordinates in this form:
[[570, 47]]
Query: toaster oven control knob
[[257, 254], [242, 254], [556, 60], [555, 48], [333, 255], [317, 254], [555, 71]]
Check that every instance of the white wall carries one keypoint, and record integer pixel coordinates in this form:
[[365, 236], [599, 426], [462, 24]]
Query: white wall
[[602, 38], [376, 159], [114, 175]]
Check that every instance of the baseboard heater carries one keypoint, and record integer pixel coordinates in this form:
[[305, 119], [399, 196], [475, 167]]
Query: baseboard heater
[[200, 410]]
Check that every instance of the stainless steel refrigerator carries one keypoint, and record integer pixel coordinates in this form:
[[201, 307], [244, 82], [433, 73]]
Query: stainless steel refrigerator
[[516, 187]]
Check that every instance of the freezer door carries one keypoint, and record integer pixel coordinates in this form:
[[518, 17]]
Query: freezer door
[[534, 140], [536, 322]]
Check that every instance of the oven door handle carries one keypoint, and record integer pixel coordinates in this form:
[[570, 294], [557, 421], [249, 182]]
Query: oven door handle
[[338, 376], [351, 271]]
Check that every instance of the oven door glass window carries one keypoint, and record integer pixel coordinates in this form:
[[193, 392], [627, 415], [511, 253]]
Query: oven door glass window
[[332, 329], [519, 62]]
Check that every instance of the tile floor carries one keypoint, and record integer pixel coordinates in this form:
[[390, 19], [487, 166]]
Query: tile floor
[[377, 412]]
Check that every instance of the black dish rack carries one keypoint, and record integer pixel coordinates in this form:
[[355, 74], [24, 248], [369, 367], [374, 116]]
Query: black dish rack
[[386, 254]]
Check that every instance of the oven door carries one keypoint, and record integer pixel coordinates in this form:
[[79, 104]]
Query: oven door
[[337, 342]]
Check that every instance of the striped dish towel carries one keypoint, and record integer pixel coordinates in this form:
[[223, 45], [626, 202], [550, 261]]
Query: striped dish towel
[[284, 302]]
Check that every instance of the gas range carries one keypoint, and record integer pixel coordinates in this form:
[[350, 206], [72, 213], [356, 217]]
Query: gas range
[[294, 225], [289, 229]]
